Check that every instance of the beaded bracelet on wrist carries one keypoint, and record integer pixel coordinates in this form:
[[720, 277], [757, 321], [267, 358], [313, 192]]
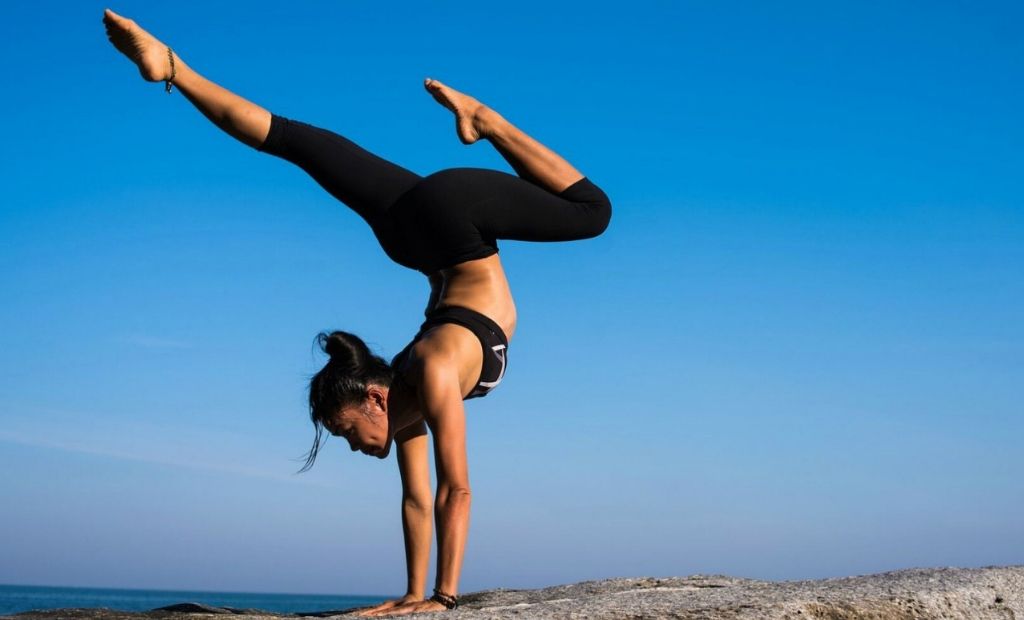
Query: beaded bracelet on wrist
[[449, 601]]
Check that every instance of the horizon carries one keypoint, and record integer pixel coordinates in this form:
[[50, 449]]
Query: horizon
[[172, 590]]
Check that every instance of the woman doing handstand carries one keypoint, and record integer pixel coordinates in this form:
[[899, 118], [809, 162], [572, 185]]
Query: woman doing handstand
[[446, 226]]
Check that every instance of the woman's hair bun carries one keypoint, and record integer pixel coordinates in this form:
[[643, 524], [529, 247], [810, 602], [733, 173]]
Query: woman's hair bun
[[344, 348], [343, 380]]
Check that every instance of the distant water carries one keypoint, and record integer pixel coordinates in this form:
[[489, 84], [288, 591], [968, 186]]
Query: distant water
[[15, 599]]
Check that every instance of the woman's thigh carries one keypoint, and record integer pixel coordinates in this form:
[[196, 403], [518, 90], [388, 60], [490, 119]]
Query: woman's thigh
[[503, 206], [367, 183]]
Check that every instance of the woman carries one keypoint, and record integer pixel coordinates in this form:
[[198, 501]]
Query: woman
[[445, 225]]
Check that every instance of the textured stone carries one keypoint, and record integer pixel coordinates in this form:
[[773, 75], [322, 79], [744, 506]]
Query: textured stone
[[961, 593]]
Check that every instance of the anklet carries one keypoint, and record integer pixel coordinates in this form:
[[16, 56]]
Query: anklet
[[174, 72]]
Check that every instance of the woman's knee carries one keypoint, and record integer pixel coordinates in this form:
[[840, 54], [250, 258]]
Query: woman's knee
[[602, 217], [595, 203], [599, 209]]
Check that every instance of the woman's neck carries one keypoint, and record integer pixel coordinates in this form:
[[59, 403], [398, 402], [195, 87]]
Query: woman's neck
[[403, 407]]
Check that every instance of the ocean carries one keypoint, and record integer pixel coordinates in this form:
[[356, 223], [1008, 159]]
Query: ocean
[[15, 599]]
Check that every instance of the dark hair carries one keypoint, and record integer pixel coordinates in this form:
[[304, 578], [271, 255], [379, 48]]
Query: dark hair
[[343, 380]]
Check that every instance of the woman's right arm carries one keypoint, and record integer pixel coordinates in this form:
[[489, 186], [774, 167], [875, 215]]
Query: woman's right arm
[[417, 504], [417, 514]]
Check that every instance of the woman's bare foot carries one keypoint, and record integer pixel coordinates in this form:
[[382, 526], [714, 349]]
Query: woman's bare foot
[[473, 120], [142, 48]]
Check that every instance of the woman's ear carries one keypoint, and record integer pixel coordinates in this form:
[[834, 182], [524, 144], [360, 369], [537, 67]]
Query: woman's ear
[[378, 396]]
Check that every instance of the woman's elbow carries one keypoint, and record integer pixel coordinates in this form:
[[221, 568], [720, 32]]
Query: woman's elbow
[[423, 502], [456, 492]]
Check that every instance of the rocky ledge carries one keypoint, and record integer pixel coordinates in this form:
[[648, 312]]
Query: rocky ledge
[[989, 592]]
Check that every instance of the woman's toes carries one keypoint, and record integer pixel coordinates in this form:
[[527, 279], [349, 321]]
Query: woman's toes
[[142, 48], [120, 20]]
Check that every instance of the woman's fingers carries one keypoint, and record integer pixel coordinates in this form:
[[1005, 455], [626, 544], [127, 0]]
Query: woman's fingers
[[378, 610]]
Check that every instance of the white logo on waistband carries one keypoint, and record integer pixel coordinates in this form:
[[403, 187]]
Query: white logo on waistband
[[499, 352]]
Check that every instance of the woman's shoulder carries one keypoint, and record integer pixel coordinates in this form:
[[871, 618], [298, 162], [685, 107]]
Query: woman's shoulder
[[445, 352], [442, 344]]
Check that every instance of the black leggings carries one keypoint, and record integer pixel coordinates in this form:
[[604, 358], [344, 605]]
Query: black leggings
[[453, 215]]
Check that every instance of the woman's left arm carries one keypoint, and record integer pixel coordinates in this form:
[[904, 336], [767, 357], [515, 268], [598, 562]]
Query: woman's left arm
[[446, 417]]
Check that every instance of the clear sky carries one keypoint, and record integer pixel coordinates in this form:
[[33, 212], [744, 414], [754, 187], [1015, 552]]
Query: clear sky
[[796, 353]]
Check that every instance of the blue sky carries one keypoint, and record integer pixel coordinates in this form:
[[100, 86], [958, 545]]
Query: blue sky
[[796, 353]]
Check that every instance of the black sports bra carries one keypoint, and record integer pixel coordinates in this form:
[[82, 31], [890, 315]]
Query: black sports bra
[[490, 335]]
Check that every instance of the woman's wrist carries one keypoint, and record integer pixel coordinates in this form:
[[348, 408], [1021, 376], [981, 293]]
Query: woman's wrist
[[450, 601]]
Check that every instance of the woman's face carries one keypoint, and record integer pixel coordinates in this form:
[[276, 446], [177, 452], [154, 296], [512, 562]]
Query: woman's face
[[364, 426]]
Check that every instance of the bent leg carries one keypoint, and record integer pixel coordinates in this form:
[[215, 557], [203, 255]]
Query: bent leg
[[530, 159], [469, 208], [549, 201], [523, 211]]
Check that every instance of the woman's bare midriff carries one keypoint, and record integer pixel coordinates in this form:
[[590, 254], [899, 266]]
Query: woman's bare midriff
[[480, 285]]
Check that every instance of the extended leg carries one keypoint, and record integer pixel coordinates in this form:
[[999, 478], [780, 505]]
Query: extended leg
[[363, 181], [238, 117]]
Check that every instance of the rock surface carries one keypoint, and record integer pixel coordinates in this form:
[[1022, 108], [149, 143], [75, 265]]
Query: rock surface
[[962, 593]]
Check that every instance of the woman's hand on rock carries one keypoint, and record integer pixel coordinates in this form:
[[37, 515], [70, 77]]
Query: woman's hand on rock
[[387, 606], [397, 608]]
